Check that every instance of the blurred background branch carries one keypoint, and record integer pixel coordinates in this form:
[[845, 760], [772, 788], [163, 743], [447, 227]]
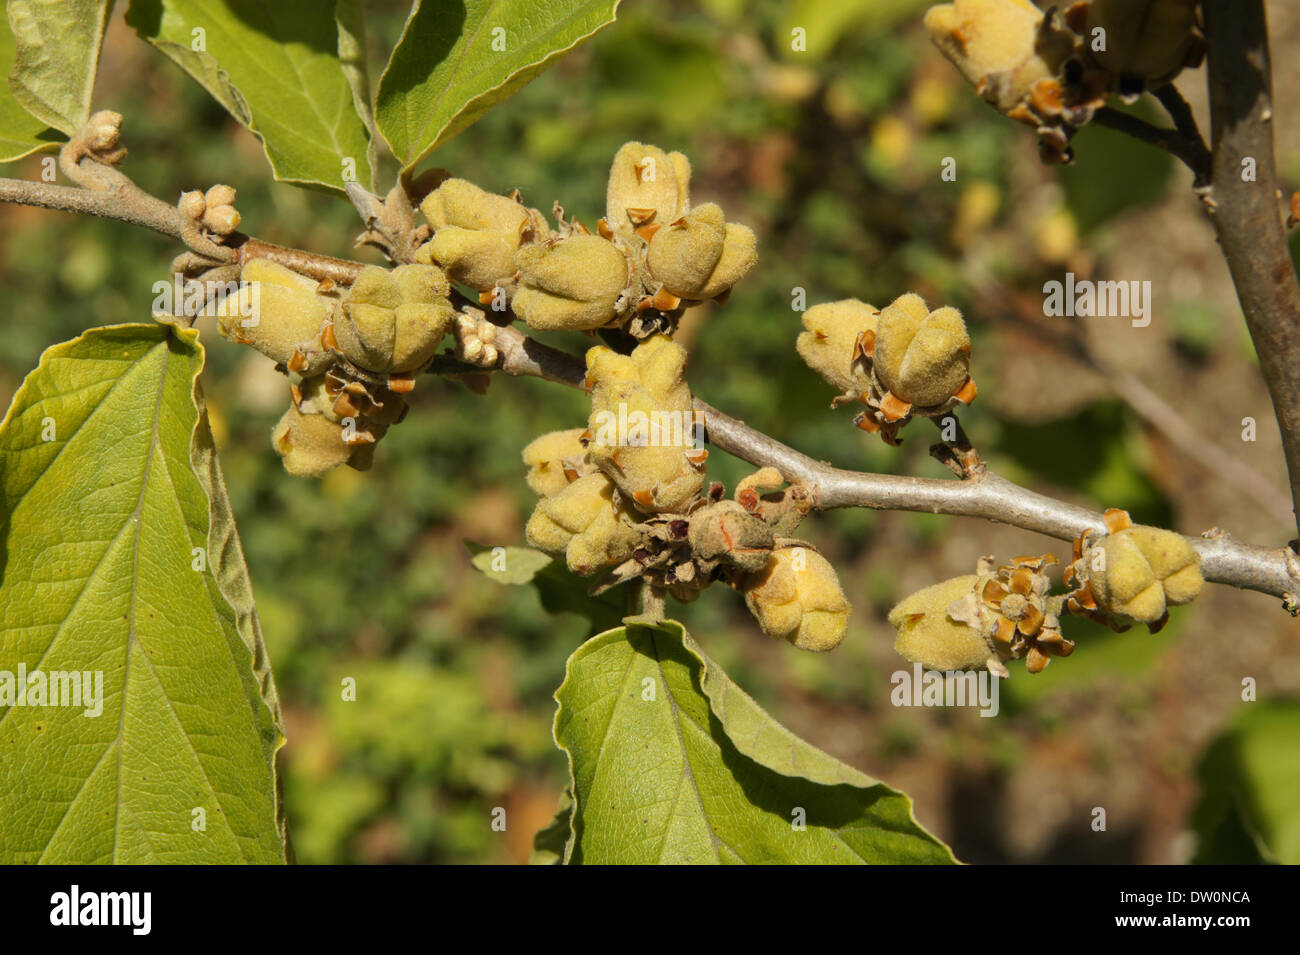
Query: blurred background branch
[[1246, 210]]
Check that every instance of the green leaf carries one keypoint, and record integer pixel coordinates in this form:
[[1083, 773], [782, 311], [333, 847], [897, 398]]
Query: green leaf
[[21, 133], [456, 60], [559, 590], [56, 57], [672, 762], [114, 562], [350, 16], [1249, 777], [276, 68], [551, 843], [509, 565]]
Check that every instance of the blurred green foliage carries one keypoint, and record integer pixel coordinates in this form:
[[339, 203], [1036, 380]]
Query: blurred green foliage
[[1248, 812], [833, 157]]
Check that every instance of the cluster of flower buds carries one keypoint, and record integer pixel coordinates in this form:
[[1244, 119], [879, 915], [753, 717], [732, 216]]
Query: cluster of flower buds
[[213, 210], [1134, 572], [984, 619], [636, 457], [1053, 70], [349, 354], [901, 361], [651, 255], [626, 495]]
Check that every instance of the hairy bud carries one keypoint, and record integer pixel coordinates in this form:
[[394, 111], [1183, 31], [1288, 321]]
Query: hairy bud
[[394, 321], [583, 523], [797, 597], [830, 344], [642, 424], [726, 533], [922, 357], [288, 315], [995, 44], [477, 233], [571, 283], [646, 187], [310, 444], [554, 460], [930, 636], [701, 255], [1139, 571]]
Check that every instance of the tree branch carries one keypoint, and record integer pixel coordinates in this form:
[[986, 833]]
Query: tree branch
[[986, 495], [1245, 207], [124, 207], [983, 495]]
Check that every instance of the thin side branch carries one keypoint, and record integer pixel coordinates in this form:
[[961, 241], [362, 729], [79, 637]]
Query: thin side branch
[[1246, 211], [157, 215], [1191, 152], [1180, 111]]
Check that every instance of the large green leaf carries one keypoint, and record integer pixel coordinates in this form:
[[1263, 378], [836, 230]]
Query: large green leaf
[[1249, 776], [456, 59], [275, 67], [56, 57], [21, 133], [114, 562], [672, 762]]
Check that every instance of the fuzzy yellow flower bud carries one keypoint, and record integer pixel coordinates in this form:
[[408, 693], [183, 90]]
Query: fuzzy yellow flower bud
[[922, 357], [583, 523], [1144, 43], [310, 444], [643, 426], [798, 598], [928, 635], [278, 312], [574, 283], [701, 255], [829, 346], [219, 213], [646, 186], [394, 321], [477, 233], [1139, 571], [546, 458], [996, 44]]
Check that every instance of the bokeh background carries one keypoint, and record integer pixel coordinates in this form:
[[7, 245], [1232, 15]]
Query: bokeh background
[[833, 155]]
